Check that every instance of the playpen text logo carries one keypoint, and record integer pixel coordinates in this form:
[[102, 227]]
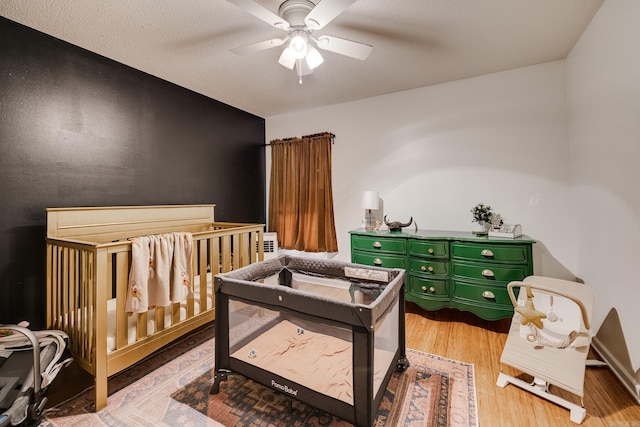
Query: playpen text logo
[[284, 388]]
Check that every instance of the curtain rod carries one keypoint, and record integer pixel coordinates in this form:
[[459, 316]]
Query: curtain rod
[[333, 137]]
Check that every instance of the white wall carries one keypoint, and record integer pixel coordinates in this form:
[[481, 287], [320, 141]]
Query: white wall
[[434, 152], [603, 75], [554, 147]]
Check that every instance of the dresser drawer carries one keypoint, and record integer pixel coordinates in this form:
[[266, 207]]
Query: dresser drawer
[[379, 244], [489, 272], [510, 253], [434, 288], [379, 260], [429, 248], [428, 267], [481, 293]]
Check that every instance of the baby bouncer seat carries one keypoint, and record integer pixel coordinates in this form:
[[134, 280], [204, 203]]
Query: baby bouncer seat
[[549, 339], [29, 362]]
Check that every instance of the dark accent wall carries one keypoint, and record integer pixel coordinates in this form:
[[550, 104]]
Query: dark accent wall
[[78, 129]]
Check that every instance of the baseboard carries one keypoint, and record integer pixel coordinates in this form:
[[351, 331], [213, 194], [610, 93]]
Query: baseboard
[[626, 378]]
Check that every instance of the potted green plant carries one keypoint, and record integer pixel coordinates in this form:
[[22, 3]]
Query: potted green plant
[[482, 214]]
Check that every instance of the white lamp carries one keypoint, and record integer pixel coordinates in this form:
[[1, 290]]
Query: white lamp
[[369, 203]]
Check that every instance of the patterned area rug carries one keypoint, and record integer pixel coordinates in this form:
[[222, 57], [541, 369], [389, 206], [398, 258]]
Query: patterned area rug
[[172, 389]]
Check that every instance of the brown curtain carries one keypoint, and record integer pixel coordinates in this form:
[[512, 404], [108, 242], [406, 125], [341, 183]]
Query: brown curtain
[[300, 195]]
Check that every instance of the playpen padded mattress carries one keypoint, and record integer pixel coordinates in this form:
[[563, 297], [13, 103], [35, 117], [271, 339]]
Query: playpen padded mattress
[[319, 361]]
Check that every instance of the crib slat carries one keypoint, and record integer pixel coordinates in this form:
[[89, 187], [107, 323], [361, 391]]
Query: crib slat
[[54, 316], [75, 337], [245, 248], [257, 241], [91, 307], [51, 268], [200, 251], [53, 320], [67, 275], [84, 309], [214, 251], [175, 313], [141, 325], [204, 274], [70, 308], [81, 303], [110, 277], [122, 319], [214, 266], [159, 319], [195, 260], [235, 250], [59, 284], [226, 254]]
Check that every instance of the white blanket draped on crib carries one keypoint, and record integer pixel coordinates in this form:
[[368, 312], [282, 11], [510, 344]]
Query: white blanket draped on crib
[[160, 271]]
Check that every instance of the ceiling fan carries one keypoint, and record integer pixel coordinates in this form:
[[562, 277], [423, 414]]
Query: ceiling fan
[[300, 18]]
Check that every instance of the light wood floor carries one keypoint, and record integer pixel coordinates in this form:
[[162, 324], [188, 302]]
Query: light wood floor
[[463, 336]]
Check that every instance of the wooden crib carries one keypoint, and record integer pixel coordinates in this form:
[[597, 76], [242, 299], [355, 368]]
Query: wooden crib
[[88, 262]]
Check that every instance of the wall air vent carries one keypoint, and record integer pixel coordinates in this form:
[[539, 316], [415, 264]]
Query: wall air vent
[[270, 246]]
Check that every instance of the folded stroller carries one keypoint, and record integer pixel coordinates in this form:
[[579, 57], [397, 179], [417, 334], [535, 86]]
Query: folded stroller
[[29, 362]]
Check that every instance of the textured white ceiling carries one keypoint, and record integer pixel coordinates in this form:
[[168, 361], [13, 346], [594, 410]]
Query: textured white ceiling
[[416, 43]]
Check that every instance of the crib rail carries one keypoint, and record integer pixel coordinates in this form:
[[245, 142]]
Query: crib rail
[[83, 277]]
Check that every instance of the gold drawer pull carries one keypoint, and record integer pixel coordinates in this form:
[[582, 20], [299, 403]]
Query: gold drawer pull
[[377, 245], [488, 295], [431, 289], [430, 269], [430, 250], [423, 268], [377, 262], [486, 252], [424, 288], [488, 273]]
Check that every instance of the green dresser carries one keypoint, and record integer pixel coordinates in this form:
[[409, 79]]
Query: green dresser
[[450, 269]]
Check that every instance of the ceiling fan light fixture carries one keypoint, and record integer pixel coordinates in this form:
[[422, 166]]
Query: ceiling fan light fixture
[[298, 44], [287, 59], [313, 58], [300, 18]]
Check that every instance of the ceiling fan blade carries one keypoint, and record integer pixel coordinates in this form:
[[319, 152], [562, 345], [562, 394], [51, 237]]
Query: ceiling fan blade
[[261, 13], [257, 47], [344, 47], [325, 12]]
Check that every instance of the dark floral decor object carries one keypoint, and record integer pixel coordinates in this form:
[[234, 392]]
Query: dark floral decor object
[[482, 213]]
